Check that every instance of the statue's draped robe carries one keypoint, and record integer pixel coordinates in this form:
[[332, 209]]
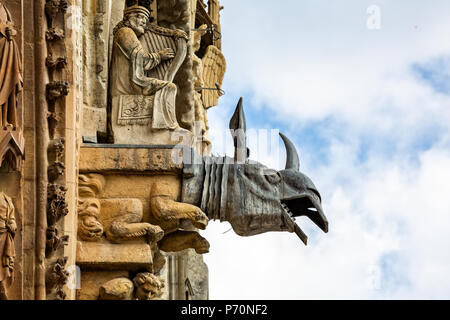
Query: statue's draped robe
[[10, 73], [7, 250], [129, 64]]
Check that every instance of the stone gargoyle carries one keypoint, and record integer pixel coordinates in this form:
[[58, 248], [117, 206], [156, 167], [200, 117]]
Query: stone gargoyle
[[251, 197]]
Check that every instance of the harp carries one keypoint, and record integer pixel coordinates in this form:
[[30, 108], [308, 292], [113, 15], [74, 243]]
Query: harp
[[157, 38]]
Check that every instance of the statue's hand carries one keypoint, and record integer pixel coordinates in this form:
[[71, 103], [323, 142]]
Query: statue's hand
[[12, 226], [7, 262], [167, 54], [10, 32], [180, 34], [10, 263]]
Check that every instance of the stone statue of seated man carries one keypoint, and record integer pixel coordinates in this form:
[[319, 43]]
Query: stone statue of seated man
[[143, 107]]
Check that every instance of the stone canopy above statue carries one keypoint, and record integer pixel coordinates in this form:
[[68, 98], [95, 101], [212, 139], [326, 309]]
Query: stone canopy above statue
[[145, 60]]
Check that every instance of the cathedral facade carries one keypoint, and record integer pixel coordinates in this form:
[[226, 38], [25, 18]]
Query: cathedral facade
[[106, 175]]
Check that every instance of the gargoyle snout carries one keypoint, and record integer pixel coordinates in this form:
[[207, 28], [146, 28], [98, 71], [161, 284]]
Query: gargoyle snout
[[300, 197]]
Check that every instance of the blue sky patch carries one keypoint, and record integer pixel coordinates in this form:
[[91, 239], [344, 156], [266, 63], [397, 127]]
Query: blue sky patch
[[435, 73]]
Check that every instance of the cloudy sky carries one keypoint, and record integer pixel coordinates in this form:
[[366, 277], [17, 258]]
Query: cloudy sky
[[364, 93]]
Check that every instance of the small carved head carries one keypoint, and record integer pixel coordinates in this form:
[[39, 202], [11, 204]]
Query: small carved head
[[137, 21], [57, 89], [52, 8], [137, 15], [56, 170], [148, 286]]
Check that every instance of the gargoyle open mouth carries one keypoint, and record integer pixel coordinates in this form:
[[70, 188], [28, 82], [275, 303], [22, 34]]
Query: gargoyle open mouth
[[301, 197], [305, 205]]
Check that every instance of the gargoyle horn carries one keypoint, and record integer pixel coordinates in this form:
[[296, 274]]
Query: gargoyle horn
[[238, 127], [292, 159]]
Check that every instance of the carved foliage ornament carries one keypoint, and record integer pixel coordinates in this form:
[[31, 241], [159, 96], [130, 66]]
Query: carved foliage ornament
[[54, 34], [53, 7], [56, 209], [56, 90], [56, 278], [54, 64], [57, 205]]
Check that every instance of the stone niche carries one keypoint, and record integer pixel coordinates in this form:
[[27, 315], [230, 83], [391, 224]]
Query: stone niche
[[115, 185]]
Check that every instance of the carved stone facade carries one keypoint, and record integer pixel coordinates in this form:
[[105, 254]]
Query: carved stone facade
[[103, 188]]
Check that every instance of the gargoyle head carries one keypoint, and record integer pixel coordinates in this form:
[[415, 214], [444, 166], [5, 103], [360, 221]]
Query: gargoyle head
[[251, 197], [269, 200]]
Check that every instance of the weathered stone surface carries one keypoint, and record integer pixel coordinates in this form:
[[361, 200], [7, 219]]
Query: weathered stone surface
[[111, 209], [138, 159], [197, 273], [138, 186], [91, 281], [117, 289], [94, 120], [108, 256]]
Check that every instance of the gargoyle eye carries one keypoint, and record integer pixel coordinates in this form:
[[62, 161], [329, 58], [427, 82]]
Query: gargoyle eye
[[272, 176], [316, 193]]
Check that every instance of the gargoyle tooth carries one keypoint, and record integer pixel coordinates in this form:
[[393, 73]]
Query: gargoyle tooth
[[289, 212]]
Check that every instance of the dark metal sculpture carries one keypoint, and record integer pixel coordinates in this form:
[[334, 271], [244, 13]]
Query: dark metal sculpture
[[251, 197]]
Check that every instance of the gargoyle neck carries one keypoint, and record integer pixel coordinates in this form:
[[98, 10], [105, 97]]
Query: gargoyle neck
[[214, 191]]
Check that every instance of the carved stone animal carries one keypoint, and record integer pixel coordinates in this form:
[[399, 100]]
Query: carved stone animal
[[123, 221], [145, 286], [126, 223], [251, 197], [177, 220]]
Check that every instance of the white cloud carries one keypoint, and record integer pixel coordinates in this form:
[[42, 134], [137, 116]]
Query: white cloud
[[386, 208], [389, 213]]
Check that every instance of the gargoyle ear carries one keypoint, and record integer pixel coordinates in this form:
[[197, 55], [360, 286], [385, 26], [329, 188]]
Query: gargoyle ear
[[292, 158], [238, 127]]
